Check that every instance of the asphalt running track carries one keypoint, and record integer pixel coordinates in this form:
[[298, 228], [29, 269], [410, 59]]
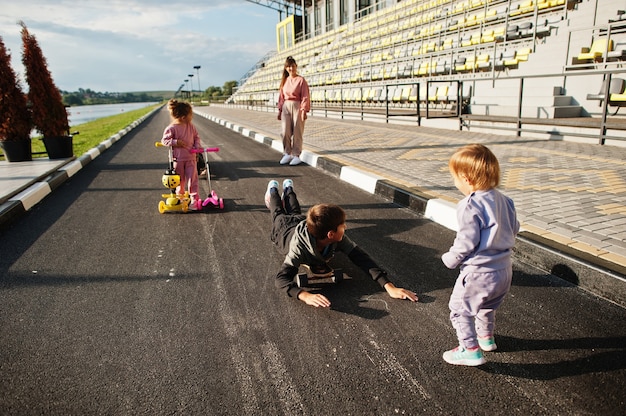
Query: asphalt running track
[[108, 307]]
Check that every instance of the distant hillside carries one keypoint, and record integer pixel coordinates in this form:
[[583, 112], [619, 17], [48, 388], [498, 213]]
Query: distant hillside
[[156, 94], [89, 97]]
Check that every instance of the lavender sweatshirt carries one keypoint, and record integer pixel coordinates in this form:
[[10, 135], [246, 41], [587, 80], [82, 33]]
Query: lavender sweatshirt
[[487, 228]]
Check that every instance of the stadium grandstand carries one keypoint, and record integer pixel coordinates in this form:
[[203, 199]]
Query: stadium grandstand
[[538, 68]]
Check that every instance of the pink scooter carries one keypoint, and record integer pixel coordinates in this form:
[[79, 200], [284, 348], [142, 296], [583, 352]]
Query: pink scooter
[[212, 200]]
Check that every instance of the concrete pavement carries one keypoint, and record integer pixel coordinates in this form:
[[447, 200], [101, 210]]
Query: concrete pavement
[[570, 196]]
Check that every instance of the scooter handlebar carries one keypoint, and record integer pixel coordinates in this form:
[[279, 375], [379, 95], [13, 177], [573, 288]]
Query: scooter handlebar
[[207, 150]]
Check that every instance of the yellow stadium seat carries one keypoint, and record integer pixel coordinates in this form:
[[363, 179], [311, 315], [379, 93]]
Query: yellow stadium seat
[[460, 7], [396, 94], [456, 23], [459, 65], [390, 72], [423, 68], [498, 34], [597, 50], [491, 14], [470, 63], [483, 62], [428, 47], [447, 44], [404, 95], [440, 95], [433, 67], [522, 54], [618, 98], [487, 36], [524, 7], [471, 21]]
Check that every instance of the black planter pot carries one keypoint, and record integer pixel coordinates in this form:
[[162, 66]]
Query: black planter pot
[[59, 147], [17, 151]]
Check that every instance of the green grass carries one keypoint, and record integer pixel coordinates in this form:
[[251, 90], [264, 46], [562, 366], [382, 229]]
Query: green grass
[[94, 132]]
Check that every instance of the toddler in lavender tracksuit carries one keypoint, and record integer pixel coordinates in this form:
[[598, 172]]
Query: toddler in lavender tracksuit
[[482, 248]]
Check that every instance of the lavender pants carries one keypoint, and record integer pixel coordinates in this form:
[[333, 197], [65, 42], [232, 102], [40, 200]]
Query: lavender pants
[[474, 301]]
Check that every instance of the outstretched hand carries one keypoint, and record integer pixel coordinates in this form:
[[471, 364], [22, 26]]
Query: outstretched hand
[[314, 299], [400, 293]]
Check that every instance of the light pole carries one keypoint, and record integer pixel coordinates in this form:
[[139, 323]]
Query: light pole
[[197, 68], [191, 84], [186, 81]]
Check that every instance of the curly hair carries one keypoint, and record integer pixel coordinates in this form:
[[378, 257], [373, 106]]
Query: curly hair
[[478, 164], [179, 109]]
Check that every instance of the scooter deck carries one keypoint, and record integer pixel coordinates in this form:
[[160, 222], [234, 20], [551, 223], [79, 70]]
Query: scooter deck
[[302, 279]]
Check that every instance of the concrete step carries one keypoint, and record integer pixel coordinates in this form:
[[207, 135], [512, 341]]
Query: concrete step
[[565, 111], [533, 101], [562, 100]]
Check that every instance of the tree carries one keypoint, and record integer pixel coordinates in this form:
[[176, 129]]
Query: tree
[[48, 111], [227, 89], [213, 91], [15, 122]]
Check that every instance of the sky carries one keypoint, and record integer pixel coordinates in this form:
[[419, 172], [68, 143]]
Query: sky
[[140, 45]]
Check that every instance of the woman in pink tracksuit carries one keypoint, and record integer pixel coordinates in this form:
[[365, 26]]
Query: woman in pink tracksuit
[[182, 136], [293, 105]]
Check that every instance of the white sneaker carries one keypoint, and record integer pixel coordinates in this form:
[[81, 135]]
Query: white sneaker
[[287, 183], [295, 161], [271, 184], [286, 159]]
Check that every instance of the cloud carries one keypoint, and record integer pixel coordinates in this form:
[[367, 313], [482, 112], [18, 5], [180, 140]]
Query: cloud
[[139, 45]]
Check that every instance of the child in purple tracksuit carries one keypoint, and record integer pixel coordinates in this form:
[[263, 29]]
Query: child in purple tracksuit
[[482, 248], [182, 135]]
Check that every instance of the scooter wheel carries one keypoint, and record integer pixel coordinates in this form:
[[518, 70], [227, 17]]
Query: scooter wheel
[[302, 280], [338, 276], [161, 207], [221, 203]]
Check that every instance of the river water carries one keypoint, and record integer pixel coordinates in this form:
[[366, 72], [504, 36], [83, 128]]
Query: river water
[[84, 113]]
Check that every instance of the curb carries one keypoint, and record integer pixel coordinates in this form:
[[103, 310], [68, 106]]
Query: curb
[[595, 275], [438, 210], [24, 200]]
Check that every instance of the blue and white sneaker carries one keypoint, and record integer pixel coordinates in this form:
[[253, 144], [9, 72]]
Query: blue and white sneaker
[[271, 184], [487, 344], [287, 183], [461, 356]]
